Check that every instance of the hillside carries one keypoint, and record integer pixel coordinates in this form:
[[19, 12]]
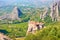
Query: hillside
[[18, 18], [50, 32]]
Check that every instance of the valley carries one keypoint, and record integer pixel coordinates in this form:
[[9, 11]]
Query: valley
[[32, 21]]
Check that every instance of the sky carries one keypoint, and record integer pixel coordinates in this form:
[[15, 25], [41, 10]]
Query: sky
[[25, 2]]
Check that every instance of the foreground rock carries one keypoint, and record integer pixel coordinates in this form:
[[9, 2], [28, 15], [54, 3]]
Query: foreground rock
[[34, 26], [4, 37]]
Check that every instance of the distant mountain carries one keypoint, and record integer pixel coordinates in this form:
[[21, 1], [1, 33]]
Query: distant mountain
[[14, 15]]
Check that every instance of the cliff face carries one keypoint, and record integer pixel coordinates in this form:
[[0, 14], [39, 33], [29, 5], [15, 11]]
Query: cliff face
[[44, 14], [14, 15], [59, 7], [55, 11]]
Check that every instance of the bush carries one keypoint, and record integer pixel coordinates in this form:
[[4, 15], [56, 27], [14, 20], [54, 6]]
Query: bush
[[31, 37], [48, 19]]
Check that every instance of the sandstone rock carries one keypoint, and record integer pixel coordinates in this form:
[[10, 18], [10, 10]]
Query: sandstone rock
[[44, 13], [54, 12], [14, 15], [4, 37], [34, 26]]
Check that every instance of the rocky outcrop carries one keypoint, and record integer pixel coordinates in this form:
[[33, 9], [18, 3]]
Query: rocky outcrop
[[44, 13], [4, 37], [54, 14], [14, 15], [34, 26], [55, 11]]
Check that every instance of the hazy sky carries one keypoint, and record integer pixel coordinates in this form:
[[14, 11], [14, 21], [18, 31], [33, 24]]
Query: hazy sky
[[35, 2], [25, 0]]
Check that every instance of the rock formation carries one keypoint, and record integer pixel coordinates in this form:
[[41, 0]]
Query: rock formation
[[54, 12], [4, 37], [59, 10], [44, 14], [34, 26], [15, 15]]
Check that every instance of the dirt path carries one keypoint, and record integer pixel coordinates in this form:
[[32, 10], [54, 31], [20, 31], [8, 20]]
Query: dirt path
[[22, 38]]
